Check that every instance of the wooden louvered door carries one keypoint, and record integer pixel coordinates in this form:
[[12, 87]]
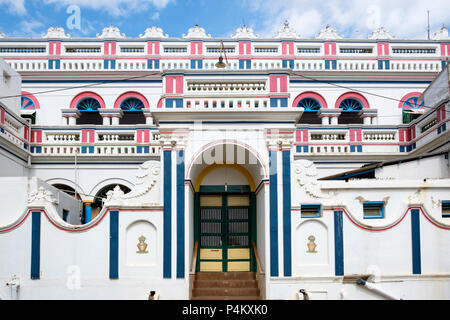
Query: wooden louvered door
[[224, 233]]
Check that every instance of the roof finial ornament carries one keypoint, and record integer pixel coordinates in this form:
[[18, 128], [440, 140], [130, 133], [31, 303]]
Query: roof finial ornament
[[441, 34], [328, 33], [286, 31]]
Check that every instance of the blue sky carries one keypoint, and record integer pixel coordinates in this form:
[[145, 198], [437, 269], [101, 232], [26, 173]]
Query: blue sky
[[352, 18]]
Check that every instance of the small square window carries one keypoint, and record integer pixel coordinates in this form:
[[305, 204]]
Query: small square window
[[311, 211], [373, 210], [446, 209]]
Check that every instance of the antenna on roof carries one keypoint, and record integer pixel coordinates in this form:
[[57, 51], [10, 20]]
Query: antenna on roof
[[428, 26]]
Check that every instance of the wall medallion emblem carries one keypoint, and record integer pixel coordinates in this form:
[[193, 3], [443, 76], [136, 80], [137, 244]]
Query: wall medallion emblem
[[142, 246], [311, 244]]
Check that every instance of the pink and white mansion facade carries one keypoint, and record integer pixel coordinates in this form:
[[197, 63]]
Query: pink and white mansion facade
[[129, 166]]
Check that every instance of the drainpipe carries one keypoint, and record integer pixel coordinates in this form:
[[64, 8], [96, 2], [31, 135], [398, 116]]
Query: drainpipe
[[14, 285], [304, 293], [373, 288]]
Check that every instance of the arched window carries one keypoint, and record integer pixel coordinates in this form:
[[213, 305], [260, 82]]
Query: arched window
[[27, 103], [350, 105], [28, 106], [309, 104], [132, 111], [89, 111], [101, 195], [88, 105], [350, 111], [132, 104], [412, 107]]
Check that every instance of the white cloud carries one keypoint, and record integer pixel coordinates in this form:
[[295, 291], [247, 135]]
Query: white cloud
[[114, 7], [155, 16], [14, 6], [352, 18]]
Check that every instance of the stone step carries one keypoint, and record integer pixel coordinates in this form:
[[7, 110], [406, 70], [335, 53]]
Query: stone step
[[232, 283], [225, 276], [198, 292]]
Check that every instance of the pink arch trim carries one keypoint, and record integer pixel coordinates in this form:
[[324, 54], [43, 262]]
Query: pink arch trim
[[352, 95], [131, 94], [235, 142], [87, 94], [33, 98], [310, 94], [407, 96]]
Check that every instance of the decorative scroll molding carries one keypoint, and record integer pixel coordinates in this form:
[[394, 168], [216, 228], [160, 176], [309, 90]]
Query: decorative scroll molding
[[196, 33], [380, 34], [441, 34], [244, 32], [146, 191], [2, 35], [329, 33], [111, 33], [286, 32], [279, 140], [41, 197], [153, 32], [306, 175], [55, 33]]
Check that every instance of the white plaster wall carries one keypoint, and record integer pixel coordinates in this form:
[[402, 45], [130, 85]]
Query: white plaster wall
[[14, 199], [10, 166], [10, 86], [428, 168]]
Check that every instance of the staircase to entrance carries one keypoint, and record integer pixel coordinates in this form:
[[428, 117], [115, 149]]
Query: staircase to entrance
[[225, 286]]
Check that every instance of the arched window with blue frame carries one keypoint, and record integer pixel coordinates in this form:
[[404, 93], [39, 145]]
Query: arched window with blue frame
[[27, 103], [88, 105], [412, 108], [132, 111], [89, 108], [350, 105], [309, 105], [132, 104]]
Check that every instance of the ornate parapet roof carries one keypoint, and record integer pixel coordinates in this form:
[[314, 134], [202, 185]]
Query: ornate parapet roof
[[55, 33], [244, 32], [286, 32], [441, 34], [153, 32], [329, 33], [111, 33], [196, 32], [380, 34]]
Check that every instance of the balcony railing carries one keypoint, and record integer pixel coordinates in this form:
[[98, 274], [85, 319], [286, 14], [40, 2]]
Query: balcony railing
[[68, 142]]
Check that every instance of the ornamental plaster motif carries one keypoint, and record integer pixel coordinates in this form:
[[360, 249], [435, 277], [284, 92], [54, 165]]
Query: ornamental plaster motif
[[41, 197], [111, 33], [196, 33], [328, 33], [306, 175], [153, 32], [441, 34], [286, 32], [280, 141], [244, 32], [55, 33], [380, 34], [144, 193], [2, 35], [173, 140]]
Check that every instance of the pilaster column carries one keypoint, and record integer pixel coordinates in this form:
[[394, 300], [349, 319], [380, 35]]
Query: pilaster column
[[70, 116], [369, 116], [148, 116], [173, 145], [111, 116], [279, 143], [331, 114], [87, 211]]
